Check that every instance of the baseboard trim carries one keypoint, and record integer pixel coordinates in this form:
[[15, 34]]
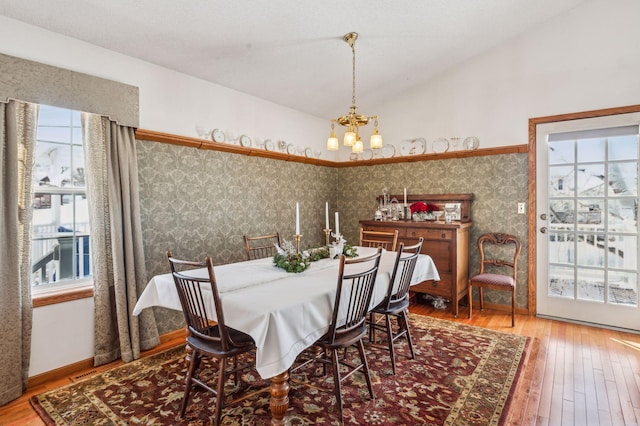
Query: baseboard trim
[[87, 364], [58, 373]]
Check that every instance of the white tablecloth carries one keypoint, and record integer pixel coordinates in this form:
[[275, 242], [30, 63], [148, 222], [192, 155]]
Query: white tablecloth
[[283, 312]]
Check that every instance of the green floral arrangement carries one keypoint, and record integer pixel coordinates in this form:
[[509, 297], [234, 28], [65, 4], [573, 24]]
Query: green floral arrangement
[[286, 258], [322, 252], [350, 251], [291, 262], [317, 253]]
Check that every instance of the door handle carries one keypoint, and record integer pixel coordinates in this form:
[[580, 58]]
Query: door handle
[[543, 229]]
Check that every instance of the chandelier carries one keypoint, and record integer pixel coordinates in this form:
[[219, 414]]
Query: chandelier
[[353, 121]]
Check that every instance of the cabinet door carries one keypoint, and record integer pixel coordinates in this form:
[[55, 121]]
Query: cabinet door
[[440, 251]]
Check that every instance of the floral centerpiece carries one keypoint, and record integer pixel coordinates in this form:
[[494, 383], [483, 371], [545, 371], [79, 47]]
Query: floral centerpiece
[[288, 259], [422, 211]]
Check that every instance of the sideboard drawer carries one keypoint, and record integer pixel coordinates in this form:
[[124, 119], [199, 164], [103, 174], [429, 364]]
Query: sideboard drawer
[[431, 234]]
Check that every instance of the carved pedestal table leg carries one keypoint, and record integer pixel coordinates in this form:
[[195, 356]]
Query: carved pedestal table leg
[[188, 352], [279, 390]]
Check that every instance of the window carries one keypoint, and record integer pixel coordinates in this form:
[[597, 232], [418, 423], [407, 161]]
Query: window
[[60, 238], [593, 201]]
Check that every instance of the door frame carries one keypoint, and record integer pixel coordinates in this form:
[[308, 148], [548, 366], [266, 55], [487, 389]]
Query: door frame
[[532, 229]]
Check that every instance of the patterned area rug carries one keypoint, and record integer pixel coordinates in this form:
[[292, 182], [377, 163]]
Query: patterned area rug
[[462, 375]]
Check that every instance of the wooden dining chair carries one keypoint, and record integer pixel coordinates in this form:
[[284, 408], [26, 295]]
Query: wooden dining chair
[[386, 240], [492, 265], [396, 303], [206, 338], [356, 281], [261, 246]]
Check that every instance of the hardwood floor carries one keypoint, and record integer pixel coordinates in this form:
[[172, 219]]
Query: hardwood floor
[[575, 375]]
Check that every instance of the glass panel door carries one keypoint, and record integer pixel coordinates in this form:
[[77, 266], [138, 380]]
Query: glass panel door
[[587, 208]]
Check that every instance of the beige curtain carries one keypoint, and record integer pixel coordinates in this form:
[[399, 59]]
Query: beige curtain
[[18, 122], [119, 271]]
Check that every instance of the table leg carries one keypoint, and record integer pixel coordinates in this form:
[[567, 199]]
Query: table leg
[[188, 349], [279, 390]]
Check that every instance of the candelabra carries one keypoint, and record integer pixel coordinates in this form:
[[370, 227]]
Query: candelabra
[[327, 232], [297, 238]]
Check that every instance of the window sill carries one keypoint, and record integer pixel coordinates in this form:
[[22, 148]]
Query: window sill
[[53, 297]]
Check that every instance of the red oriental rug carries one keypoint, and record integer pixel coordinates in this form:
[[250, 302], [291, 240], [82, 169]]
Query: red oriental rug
[[462, 375]]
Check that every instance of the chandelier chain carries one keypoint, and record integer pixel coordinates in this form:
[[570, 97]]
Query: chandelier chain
[[353, 96]]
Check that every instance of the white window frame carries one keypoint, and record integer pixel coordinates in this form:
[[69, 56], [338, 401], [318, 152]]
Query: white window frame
[[74, 287]]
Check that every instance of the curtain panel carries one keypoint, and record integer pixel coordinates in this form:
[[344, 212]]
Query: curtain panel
[[119, 271], [18, 123]]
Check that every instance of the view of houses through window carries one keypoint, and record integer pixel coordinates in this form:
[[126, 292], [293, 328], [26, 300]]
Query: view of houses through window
[[593, 217], [60, 234]]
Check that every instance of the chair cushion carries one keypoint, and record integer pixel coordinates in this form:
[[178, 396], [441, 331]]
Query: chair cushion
[[494, 279]]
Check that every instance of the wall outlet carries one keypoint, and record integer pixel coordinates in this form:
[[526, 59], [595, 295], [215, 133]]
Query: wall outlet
[[521, 208]]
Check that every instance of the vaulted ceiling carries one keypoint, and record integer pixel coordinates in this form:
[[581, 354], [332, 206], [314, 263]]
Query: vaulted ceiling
[[291, 52]]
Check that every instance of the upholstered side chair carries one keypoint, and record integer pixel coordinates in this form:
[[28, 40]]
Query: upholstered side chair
[[498, 268]]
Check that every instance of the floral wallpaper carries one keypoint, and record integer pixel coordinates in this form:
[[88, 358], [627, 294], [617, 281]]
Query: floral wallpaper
[[498, 183], [200, 202]]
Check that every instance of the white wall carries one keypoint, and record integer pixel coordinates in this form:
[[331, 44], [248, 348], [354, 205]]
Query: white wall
[[62, 334], [587, 59]]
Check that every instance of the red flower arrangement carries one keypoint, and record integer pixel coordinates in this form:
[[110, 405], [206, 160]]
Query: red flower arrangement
[[420, 207]]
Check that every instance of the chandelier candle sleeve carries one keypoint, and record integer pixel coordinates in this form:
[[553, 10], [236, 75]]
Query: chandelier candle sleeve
[[326, 215], [337, 225], [297, 219]]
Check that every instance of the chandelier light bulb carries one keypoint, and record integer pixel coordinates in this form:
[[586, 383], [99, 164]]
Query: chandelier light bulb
[[376, 139], [357, 146], [349, 138], [332, 142]]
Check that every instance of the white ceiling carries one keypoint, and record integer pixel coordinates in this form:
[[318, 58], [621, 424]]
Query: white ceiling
[[291, 52]]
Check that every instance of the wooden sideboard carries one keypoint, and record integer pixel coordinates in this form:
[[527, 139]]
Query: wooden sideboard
[[448, 246]]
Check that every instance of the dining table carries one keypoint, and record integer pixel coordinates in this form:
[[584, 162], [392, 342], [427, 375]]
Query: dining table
[[283, 312]]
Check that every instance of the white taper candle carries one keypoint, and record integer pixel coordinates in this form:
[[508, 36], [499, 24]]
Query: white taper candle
[[326, 215], [337, 224], [297, 219]]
